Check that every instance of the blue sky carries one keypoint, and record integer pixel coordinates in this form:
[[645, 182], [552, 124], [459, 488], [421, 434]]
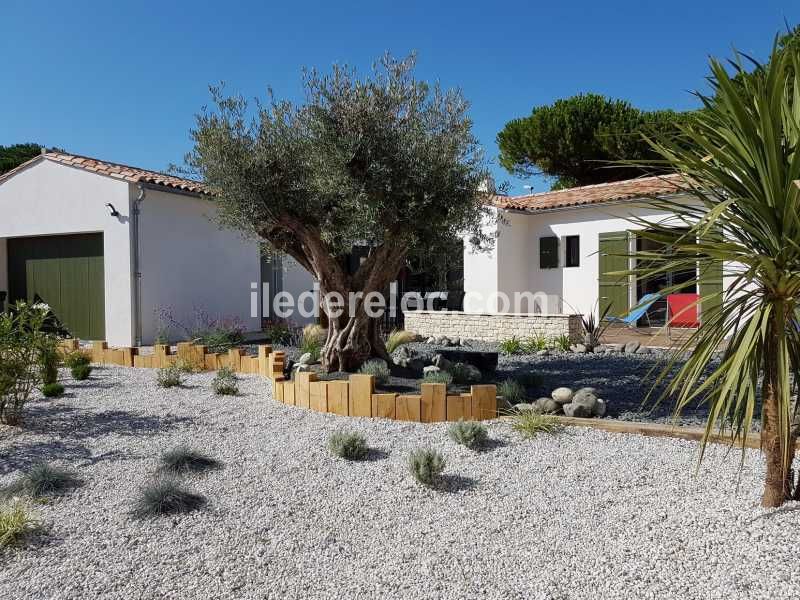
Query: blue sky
[[122, 80]]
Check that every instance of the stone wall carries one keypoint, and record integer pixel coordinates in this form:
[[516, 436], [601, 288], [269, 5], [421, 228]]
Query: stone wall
[[492, 327]]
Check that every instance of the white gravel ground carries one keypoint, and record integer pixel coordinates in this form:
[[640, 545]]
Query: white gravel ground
[[584, 514]]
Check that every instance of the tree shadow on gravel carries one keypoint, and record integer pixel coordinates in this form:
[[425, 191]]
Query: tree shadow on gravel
[[375, 454], [455, 483], [71, 422]]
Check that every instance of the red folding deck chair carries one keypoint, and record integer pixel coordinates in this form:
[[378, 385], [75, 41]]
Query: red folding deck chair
[[682, 311]]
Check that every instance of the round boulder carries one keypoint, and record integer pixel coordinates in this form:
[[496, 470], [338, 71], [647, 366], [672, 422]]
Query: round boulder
[[576, 410], [546, 406], [562, 395], [632, 347], [599, 409]]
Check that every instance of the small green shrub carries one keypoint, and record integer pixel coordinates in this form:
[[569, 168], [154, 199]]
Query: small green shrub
[[561, 342], [377, 368], [471, 434], [49, 360], [512, 391], [184, 459], [278, 333], [169, 377], [438, 377], [15, 524], [52, 390], [77, 358], [426, 466], [348, 445], [225, 383], [188, 366], [534, 344], [41, 480], [165, 496], [512, 345], [530, 424], [81, 372], [397, 338], [311, 345]]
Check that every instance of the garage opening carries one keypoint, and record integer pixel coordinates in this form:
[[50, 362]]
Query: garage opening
[[66, 272]]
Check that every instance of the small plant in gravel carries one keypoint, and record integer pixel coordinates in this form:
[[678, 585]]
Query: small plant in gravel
[[188, 366], [16, 524], [184, 459], [166, 496], [512, 345], [512, 391], [426, 466], [397, 338], [52, 390], [49, 360], [225, 382], [529, 424], [81, 372], [377, 368], [471, 434], [348, 445], [41, 480], [534, 343], [438, 377], [77, 358], [169, 377], [561, 342]]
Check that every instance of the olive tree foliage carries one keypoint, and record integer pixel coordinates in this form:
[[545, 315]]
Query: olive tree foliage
[[384, 160]]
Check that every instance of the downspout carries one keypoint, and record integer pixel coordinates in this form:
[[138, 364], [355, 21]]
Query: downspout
[[137, 274]]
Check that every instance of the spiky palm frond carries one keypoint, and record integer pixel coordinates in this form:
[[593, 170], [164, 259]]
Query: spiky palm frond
[[740, 164]]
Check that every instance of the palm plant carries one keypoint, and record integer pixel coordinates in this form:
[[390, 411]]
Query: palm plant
[[740, 162]]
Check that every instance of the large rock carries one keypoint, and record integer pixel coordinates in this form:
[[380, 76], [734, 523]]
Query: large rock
[[643, 350], [599, 408], [304, 359], [464, 373], [486, 362], [441, 362], [578, 348], [431, 369], [585, 398], [546, 406], [576, 410], [618, 347], [543, 353], [631, 347], [523, 406], [430, 340], [562, 395]]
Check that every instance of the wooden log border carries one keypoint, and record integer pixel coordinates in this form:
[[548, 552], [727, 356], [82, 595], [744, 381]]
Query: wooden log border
[[355, 397]]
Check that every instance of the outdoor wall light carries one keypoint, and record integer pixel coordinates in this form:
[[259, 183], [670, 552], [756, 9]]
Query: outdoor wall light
[[114, 211]]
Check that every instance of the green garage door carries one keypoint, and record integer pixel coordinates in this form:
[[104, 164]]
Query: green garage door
[[66, 271]]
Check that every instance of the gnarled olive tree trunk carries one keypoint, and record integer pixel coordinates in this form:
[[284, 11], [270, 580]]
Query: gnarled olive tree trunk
[[353, 336]]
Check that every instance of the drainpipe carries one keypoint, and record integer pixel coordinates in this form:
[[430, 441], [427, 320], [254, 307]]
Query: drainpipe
[[137, 274]]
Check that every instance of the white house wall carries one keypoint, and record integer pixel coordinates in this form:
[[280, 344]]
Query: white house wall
[[52, 199], [513, 265], [188, 262], [480, 271]]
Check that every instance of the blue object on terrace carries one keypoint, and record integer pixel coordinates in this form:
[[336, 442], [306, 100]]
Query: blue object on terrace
[[645, 302]]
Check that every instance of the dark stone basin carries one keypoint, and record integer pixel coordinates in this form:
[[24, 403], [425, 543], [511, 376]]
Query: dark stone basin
[[486, 362]]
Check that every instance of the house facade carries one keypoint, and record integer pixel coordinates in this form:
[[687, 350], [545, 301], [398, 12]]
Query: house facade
[[109, 247], [556, 251]]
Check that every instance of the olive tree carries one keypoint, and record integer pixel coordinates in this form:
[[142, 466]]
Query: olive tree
[[386, 161]]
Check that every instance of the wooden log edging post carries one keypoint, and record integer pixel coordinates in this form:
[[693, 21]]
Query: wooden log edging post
[[354, 397]]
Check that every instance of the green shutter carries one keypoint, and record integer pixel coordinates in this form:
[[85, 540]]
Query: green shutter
[[67, 272], [710, 284], [548, 253], [614, 289]]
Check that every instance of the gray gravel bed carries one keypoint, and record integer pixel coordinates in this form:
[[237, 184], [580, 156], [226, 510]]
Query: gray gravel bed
[[584, 514]]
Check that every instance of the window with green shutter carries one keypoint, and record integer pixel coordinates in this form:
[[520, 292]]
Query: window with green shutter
[[548, 252]]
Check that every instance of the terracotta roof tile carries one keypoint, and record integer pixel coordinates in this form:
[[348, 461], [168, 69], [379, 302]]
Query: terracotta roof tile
[[118, 171], [629, 189]]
